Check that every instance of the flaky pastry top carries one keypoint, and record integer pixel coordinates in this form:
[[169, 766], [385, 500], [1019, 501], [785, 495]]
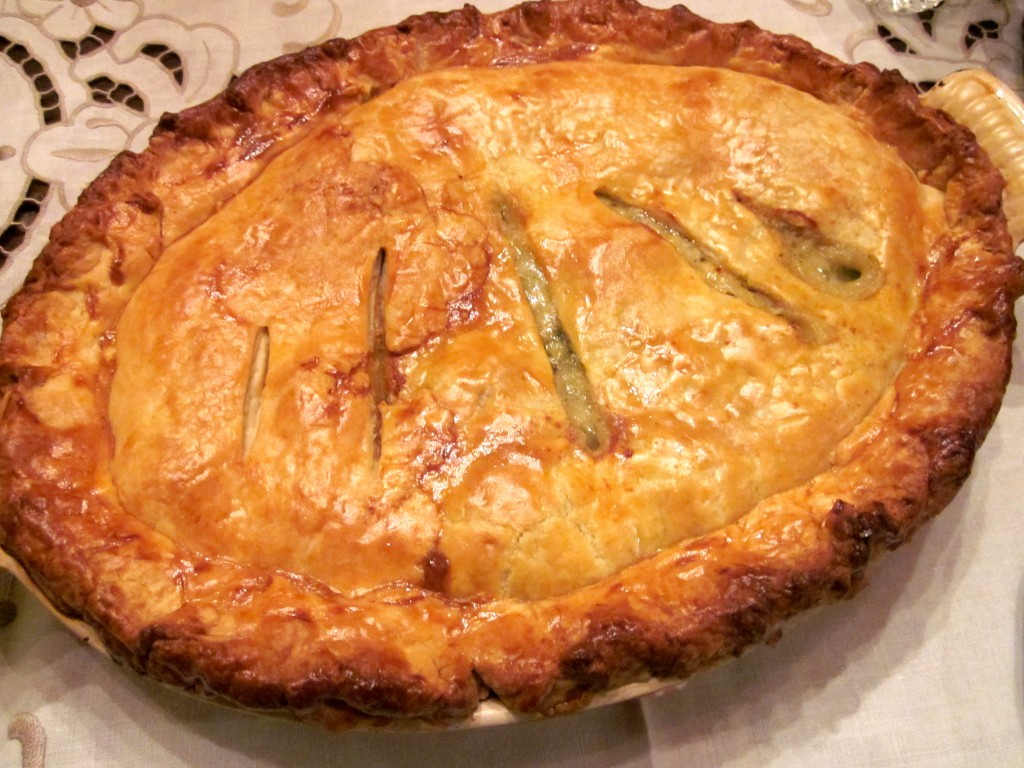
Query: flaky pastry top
[[711, 401]]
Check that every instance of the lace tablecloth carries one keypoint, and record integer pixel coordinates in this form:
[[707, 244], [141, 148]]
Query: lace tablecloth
[[924, 668]]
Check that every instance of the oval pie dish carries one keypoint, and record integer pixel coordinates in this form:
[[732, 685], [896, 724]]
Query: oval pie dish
[[511, 358]]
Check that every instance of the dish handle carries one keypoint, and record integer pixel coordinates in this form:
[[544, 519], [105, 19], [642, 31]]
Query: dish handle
[[995, 113]]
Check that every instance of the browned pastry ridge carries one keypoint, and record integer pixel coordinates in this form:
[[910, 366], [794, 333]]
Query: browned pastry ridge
[[520, 355]]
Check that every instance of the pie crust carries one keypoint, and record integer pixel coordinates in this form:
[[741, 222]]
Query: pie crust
[[519, 356]]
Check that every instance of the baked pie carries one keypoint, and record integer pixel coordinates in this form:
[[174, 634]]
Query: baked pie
[[516, 356]]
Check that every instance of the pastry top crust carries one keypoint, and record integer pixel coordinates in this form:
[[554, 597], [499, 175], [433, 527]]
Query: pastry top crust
[[711, 402], [338, 399]]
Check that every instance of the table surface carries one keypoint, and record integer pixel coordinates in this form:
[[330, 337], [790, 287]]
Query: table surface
[[924, 668]]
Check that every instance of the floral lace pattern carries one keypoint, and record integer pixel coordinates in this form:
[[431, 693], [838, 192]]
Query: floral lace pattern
[[86, 79], [27, 730], [958, 34]]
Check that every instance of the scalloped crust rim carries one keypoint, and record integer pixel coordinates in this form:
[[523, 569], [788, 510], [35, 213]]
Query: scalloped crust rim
[[275, 642]]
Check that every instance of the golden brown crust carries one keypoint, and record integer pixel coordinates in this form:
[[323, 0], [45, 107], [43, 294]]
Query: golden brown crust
[[269, 640]]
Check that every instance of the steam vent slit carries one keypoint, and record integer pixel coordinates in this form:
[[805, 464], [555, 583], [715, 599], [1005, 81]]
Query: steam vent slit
[[571, 382], [712, 271], [378, 347], [258, 364], [841, 270]]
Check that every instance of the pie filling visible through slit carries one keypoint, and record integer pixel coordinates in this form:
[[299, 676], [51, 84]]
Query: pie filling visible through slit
[[537, 326], [520, 356]]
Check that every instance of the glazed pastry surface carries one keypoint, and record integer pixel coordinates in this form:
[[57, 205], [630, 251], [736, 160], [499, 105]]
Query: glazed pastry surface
[[690, 244]]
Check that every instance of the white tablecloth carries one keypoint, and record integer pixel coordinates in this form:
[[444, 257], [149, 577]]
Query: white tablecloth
[[924, 668]]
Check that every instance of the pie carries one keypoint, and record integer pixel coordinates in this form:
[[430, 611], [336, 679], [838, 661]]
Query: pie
[[516, 356]]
